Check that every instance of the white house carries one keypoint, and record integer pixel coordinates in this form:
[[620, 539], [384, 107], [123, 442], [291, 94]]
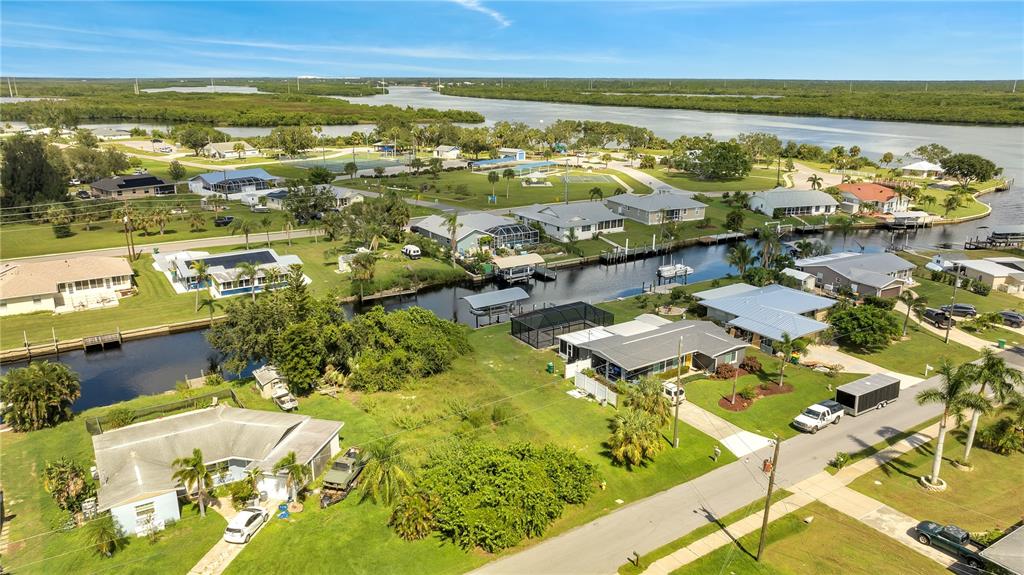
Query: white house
[[868, 197], [111, 134], [72, 284], [343, 198], [134, 463], [649, 209], [786, 202], [230, 182], [221, 150], [583, 218], [225, 274], [474, 229], [447, 152], [516, 154], [999, 273], [923, 169]]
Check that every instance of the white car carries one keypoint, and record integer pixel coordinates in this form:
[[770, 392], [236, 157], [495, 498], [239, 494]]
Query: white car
[[243, 526]]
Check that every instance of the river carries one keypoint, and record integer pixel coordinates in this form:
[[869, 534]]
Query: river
[[150, 366]]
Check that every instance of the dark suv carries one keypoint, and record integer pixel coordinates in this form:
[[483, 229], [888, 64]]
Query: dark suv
[[221, 221], [938, 318], [1012, 318], [960, 310]]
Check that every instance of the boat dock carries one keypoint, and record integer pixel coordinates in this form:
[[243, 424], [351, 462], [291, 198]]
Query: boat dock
[[102, 341], [544, 274], [719, 238]]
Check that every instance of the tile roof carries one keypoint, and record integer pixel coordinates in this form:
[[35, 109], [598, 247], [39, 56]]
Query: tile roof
[[867, 192]]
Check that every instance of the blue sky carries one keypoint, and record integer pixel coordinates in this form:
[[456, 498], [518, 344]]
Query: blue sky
[[724, 39]]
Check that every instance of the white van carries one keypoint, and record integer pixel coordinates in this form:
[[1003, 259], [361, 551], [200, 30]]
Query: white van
[[412, 252], [673, 392]]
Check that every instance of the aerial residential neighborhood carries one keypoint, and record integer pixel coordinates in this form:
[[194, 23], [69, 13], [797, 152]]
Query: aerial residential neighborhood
[[488, 287]]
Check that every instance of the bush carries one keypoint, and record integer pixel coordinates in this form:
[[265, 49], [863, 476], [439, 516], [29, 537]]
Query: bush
[[725, 371], [241, 492], [864, 327], [980, 288], [120, 417], [413, 516], [841, 460], [750, 364], [986, 538], [503, 413], [748, 392], [215, 379], [880, 302]]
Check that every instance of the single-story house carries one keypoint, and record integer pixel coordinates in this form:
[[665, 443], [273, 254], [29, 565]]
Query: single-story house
[[343, 198], [135, 462], [780, 202], [252, 180], [867, 197], [806, 280], [478, 229], [225, 277], [447, 152], [72, 284], [584, 218], [923, 169], [516, 154], [1005, 275], [111, 134], [131, 186], [764, 315], [221, 150], [874, 274], [650, 209], [703, 345], [569, 343]]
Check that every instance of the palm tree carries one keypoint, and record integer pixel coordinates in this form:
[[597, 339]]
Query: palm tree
[[314, 227], [451, 221], [201, 271], [994, 377], [952, 202], [266, 223], [104, 535], [646, 395], [926, 200], [770, 242], [844, 225], [955, 395], [239, 149], [289, 225], [271, 276], [243, 226], [635, 437], [364, 266], [606, 157], [39, 395], [250, 271], [914, 303], [740, 257], [787, 346], [805, 248], [509, 174], [493, 177], [596, 193], [387, 475], [193, 474], [816, 181], [297, 474], [413, 516], [196, 221]]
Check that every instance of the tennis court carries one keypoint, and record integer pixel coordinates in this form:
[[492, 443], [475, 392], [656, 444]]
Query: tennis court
[[589, 179], [337, 165]]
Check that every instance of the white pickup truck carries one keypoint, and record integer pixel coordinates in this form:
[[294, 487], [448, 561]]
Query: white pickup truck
[[819, 415]]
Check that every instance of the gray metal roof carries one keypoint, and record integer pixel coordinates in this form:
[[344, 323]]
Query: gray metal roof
[[482, 301], [724, 291], [1008, 551], [869, 383], [136, 461], [773, 311], [215, 177], [657, 201], [787, 198], [869, 269], [466, 223], [640, 350], [568, 215]]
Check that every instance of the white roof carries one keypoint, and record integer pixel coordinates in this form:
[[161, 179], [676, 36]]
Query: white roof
[[989, 267], [922, 166], [642, 323], [787, 198], [466, 224], [41, 278], [796, 274], [516, 261], [724, 291]]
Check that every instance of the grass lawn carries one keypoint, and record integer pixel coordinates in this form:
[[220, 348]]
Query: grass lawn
[[994, 334], [884, 444], [771, 414], [970, 207], [940, 294], [628, 308], [697, 534], [444, 189], [910, 356], [976, 501], [832, 543], [758, 179]]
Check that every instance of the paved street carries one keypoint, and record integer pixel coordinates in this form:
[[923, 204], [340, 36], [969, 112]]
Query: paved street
[[605, 543]]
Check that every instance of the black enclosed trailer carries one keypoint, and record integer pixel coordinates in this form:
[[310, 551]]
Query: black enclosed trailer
[[868, 393]]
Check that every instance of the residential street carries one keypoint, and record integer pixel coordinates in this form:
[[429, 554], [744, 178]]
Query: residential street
[[641, 526]]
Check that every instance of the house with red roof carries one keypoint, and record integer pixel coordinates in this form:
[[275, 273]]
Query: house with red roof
[[868, 197]]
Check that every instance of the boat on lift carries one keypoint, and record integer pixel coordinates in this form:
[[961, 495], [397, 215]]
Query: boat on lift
[[674, 270]]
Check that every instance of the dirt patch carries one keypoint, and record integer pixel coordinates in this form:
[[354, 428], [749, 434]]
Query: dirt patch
[[743, 404]]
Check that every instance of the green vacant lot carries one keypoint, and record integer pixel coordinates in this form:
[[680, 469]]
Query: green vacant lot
[[911, 355], [771, 414], [758, 179], [970, 207], [978, 500], [832, 543]]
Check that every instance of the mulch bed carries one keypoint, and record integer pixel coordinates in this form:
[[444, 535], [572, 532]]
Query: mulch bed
[[742, 404]]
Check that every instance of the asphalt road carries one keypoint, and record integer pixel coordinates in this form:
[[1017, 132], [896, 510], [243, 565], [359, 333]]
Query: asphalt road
[[601, 546]]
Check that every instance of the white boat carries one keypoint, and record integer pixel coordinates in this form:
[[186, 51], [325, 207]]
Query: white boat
[[671, 271]]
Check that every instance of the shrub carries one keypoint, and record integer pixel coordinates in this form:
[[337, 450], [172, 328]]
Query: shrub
[[986, 538], [241, 493], [748, 392], [503, 413], [120, 417], [458, 407], [880, 302], [751, 364], [725, 371], [841, 460], [215, 379], [413, 516], [980, 288]]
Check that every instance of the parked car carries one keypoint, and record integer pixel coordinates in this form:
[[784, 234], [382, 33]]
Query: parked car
[[74, 182], [284, 399], [243, 526], [1012, 318], [259, 209], [221, 221], [412, 252], [960, 310], [342, 477], [952, 540], [140, 171], [819, 415], [938, 318], [83, 195], [673, 392]]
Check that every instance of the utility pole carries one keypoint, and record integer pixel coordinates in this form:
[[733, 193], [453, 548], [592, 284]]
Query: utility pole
[[952, 302], [566, 182], [675, 397], [9, 89], [768, 498]]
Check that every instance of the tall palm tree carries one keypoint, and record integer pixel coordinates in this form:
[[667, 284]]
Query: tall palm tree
[[955, 395], [364, 266], [596, 193], [770, 242], [315, 226], [952, 202], [193, 475], [387, 475], [39, 395], [509, 174], [451, 222], [493, 177], [914, 303], [201, 271], [815, 181], [266, 223], [297, 474], [250, 271], [787, 346], [289, 225], [844, 225], [635, 437], [996, 378], [647, 395], [740, 257], [243, 226]]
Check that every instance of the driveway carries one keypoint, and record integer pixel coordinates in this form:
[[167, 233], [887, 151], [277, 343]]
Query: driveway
[[803, 172], [739, 441], [223, 553], [957, 335], [830, 354]]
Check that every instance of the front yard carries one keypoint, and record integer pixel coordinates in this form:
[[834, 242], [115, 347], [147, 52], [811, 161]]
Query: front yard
[[910, 356]]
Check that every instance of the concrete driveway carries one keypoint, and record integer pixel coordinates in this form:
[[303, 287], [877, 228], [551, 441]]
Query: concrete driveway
[[830, 354], [223, 553]]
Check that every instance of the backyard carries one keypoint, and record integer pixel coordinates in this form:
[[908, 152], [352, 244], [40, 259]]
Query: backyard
[[758, 179]]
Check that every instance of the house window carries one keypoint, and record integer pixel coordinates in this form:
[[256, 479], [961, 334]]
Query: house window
[[37, 300], [145, 512], [585, 229], [728, 358]]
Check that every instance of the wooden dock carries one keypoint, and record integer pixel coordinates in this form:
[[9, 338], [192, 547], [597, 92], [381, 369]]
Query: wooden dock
[[544, 274], [102, 341], [719, 238]]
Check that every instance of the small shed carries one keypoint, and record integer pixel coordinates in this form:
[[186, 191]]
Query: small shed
[[540, 328], [495, 303], [517, 268]]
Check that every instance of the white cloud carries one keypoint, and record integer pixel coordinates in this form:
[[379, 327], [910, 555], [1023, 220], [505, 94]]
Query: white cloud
[[476, 6]]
